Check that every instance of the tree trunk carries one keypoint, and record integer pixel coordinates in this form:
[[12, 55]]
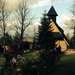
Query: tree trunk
[[4, 29], [21, 37]]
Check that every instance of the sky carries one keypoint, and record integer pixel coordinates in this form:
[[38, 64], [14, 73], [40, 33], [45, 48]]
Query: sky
[[62, 8]]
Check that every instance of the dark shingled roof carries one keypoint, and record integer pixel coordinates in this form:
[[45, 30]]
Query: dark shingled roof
[[62, 35], [52, 12], [57, 36]]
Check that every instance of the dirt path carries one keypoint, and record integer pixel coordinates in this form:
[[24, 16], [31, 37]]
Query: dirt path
[[69, 52]]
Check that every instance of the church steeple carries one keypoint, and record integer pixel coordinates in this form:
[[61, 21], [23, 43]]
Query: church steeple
[[52, 14]]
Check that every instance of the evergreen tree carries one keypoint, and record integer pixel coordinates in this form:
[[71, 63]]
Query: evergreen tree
[[72, 41], [35, 40], [45, 36], [35, 45], [46, 43]]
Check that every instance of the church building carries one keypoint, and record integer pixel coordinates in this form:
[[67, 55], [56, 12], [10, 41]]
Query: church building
[[58, 32]]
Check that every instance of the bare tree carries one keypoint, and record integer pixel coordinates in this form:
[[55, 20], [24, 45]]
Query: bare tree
[[71, 22], [23, 19], [72, 9], [3, 18]]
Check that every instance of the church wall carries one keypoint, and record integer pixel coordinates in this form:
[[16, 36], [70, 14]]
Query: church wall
[[62, 44]]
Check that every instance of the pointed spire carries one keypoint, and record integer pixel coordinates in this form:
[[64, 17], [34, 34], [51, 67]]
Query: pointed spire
[[52, 12]]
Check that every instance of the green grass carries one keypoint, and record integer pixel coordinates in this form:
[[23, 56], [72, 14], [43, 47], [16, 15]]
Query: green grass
[[33, 56], [2, 60], [66, 66]]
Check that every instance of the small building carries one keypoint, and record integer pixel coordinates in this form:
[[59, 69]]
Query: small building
[[27, 43]]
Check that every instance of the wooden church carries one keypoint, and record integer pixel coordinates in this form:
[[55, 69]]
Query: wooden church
[[58, 32]]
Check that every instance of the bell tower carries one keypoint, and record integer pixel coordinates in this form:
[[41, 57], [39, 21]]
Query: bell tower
[[52, 14]]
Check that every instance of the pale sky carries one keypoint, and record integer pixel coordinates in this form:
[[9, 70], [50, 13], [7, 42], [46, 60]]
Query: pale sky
[[38, 7]]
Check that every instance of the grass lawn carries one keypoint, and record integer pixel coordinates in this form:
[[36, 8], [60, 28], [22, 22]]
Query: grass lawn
[[2, 60], [66, 66]]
